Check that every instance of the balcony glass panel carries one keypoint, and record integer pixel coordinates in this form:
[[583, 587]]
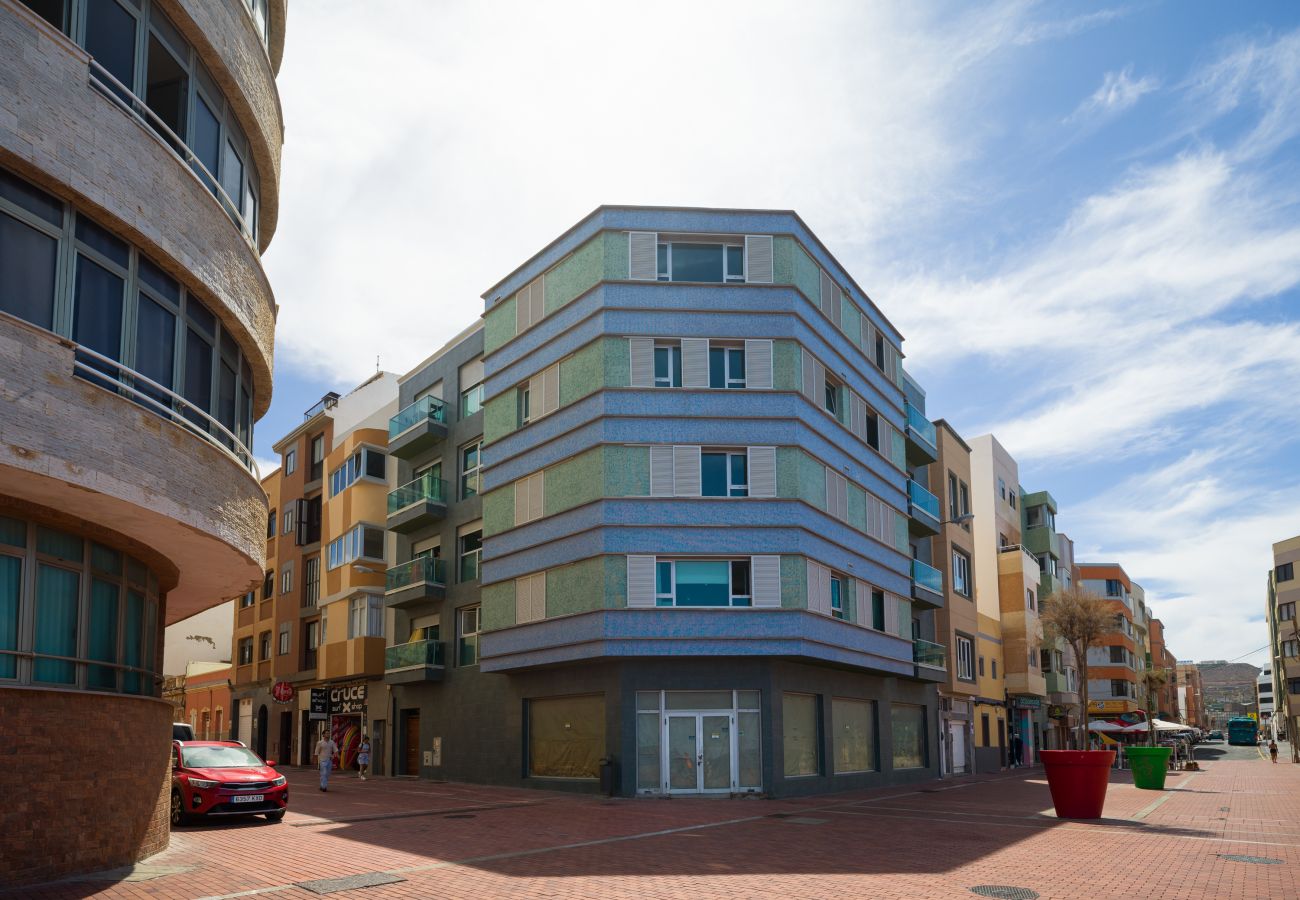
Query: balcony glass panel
[[922, 499], [928, 653], [922, 427], [426, 409], [421, 570], [423, 489], [927, 576], [416, 653]]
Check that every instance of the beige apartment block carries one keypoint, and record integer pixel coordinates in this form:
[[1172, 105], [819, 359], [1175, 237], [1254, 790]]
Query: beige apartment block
[[1284, 631]]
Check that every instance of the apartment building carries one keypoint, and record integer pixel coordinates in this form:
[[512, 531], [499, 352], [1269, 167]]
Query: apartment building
[[1283, 592], [1113, 667], [315, 623], [1055, 556], [698, 558], [1191, 702], [1265, 701], [1007, 576], [139, 177], [1162, 660]]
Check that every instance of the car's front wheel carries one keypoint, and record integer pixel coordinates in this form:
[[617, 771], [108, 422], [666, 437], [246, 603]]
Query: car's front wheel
[[178, 809], [275, 816]]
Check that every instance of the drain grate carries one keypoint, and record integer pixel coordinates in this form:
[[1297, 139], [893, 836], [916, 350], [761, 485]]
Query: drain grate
[[350, 883], [1004, 892], [1257, 860]]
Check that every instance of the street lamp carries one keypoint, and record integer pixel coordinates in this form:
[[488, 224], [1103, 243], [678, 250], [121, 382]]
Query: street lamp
[[960, 520]]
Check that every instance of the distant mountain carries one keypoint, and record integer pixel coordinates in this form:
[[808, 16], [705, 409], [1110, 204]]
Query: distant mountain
[[1228, 673]]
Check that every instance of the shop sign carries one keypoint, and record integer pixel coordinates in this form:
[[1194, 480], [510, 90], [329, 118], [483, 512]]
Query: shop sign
[[348, 698], [1108, 706], [282, 692], [1057, 711], [320, 704], [1027, 702]]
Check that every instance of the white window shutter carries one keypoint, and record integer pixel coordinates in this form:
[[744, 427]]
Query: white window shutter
[[765, 581], [521, 501], [809, 368], [892, 362], [841, 497], [537, 594], [857, 415], [641, 581], [695, 362], [536, 494], [523, 312], [868, 338], [686, 471], [819, 588], [550, 398], [819, 385], [891, 613], [830, 492], [758, 364], [661, 471], [758, 258], [534, 398], [762, 471], [837, 307], [829, 293], [642, 255], [642, 353], [537, 294]]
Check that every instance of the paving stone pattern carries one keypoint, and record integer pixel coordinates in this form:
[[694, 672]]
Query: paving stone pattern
[[466, 841]]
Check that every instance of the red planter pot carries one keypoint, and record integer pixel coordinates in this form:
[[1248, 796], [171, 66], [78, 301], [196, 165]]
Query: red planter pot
[[1078, 779]]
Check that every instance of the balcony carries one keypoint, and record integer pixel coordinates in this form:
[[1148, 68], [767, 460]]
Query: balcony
[[416, 504], [423, 579], [417, 428], [922, 440], [414, 662], [930, 660], [927, 585], [922, 510]]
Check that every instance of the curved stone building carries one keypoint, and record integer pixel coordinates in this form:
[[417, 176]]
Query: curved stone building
[[139, 174]]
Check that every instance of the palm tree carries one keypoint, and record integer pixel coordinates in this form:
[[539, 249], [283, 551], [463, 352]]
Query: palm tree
[[1080, 618], [1153, 680]]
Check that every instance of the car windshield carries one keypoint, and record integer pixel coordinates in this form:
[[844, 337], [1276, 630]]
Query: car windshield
[[219, 757]]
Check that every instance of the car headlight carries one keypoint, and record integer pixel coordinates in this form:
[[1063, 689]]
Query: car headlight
[[279, 781], [202, 784]]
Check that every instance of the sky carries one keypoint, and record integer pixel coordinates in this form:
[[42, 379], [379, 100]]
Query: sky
[[1085, 221]]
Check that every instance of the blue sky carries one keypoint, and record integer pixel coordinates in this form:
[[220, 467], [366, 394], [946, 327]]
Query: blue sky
[[1085, 220]]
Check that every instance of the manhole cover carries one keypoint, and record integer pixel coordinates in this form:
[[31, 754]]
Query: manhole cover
[[1004, 892], [1257, 860], [461, 816], [350, 883]]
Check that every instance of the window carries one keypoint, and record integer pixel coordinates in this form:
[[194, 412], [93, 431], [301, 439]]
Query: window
[[981, 667], [1118, 687], [264, 646], [1011, 498], [288, 520], [964, 491], [910, 745], [837, 596], [1029, 598], [1002, 488], [965, 658], [961, 572], [310, 581], [993, 668], [317, 458], [529, 496], [471, 388], [716, 263], [1290, 649], [248, 600], [726, 367], [471, 552], [1046, 662], [467, 627], [286, 579], [525, 403], [1114, 587], [1286, 572], [246, 651], [566, 737], [702, 582], [283, 649], [366, 462], [668, 365], [1293, 685], [832, 398], [308, 520], [854, 740], [365, 616], [1118, 655], [270, 524], [877, 609], [471, 468], [953, 506], [310, 643], [724, 474], [362, 542], [800, 739], [1286, 611], [290, 462], [268, 585]]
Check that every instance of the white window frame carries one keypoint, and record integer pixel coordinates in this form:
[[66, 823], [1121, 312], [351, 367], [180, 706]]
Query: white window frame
[[286, 519], [732, 596], [354, 469], [727, 379], [837, 610], [476, 471], [290, 462], [731, 487], [286, 578], [285, 642], [350, 547], [462, 633], [672, 347], [365, 616], [960, 572], [965, 658], [728, 277]]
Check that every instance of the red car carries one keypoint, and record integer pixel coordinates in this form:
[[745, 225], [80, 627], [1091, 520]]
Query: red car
[[224, 778]]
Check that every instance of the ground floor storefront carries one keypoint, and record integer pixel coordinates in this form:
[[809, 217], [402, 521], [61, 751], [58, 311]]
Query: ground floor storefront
[[1028, 725], [990, 753], [669, 727], [956, 735]]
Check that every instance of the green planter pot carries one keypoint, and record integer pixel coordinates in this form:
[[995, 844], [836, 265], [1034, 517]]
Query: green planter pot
[[1149, 766]]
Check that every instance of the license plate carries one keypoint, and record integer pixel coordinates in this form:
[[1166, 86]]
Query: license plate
[[246, 798]]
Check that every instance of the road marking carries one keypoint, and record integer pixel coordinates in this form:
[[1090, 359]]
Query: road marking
[[1152, 807]]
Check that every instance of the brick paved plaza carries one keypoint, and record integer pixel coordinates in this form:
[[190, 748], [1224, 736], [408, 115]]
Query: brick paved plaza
[[935, 840]]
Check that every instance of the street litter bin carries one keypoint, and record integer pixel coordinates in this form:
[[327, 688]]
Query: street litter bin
[[607, 775]]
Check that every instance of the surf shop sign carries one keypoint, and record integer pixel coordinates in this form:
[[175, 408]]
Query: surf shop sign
[[348, 699]]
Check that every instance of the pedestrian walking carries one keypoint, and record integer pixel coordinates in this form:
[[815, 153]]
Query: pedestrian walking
[[326, 749], [363, 757], [1272, 751], [1017, 750]]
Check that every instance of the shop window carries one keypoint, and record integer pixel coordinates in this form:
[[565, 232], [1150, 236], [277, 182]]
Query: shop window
[[854, 740], [799, 733], [909, 736], [566, 737]]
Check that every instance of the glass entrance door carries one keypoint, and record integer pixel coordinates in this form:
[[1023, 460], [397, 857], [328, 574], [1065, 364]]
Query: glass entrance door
[[700, 749]]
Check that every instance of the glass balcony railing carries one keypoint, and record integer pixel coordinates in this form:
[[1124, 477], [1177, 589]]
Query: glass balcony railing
[[921, 427], [928, 653], [922, 499], [416, 653], [927, 576], [425, 409], [425, 489], [421, 570]]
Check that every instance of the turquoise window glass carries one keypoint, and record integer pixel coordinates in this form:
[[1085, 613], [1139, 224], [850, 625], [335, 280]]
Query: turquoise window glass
[[103, 559], [837, 598], [735, 263], [878, 610], [664, 583], [11, 586], [697, 262], [132, 626], [56, 543], [713, 474], [739, 475], [56, 623], [104, 599], [13, 532], [703, 583]]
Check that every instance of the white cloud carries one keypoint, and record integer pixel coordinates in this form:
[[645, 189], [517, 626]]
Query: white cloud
[[1264, 76], [1118, 92]]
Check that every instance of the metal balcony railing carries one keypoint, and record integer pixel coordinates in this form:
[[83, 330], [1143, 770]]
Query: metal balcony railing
[[921, 427], [922, 499], [416, 653], [423, 489], [928, 653], [425, 409], [927, 576], [421, 570]]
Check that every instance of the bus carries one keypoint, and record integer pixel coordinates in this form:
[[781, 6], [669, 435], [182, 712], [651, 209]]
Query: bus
[[1243, 730]]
